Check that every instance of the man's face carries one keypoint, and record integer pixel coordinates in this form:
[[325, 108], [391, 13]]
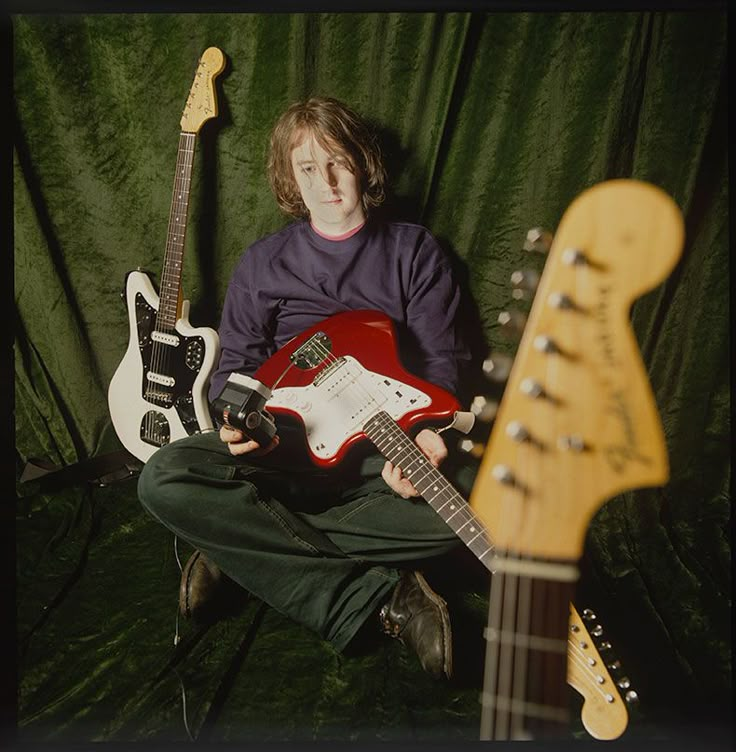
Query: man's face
[[330, 191]]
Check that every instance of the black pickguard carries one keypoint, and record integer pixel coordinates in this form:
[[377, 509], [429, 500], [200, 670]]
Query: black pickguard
[[182, 362]]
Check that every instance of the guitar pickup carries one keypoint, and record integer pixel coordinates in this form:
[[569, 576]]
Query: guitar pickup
[[165, 339], [158, 378]]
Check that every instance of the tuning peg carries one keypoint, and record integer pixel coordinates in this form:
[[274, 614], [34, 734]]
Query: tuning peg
[[615, 666], [624, 682], [525, 284], [497, 367], [597, 630], [473, 448], [604, 646], [483, 408], [631, 697], [512, 323], [539, 240], [589, 615]]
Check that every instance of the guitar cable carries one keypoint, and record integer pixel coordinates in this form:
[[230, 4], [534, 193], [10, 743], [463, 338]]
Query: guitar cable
[[177, 640]]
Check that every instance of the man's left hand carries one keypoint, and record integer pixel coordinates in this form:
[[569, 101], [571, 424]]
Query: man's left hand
[[432, 446]]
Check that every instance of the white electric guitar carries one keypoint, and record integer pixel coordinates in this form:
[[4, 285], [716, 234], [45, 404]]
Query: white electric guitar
[[158, 393]]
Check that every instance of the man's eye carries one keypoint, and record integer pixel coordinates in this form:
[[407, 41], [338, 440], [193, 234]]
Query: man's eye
[[308, 170]]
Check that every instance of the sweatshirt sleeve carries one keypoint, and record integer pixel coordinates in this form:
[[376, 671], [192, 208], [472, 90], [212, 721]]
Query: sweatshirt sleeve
[[431, 315], [246, 330]]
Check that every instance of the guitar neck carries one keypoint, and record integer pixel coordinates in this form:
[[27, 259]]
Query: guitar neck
[[170, 293], [525, 694], [398, 448]]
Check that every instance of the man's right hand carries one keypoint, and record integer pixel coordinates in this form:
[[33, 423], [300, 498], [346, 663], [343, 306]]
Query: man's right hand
[[237, 445]]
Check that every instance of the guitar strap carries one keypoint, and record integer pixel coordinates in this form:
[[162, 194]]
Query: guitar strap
[[102, 470]]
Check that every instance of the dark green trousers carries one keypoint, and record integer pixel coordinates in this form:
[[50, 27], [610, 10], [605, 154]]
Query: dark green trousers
[[322, 547]]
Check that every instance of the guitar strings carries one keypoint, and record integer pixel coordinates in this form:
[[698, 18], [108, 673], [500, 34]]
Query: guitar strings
[[161, 352], [463, 513]]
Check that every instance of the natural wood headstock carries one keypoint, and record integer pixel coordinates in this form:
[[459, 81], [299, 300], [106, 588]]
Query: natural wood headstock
[[604, 712], [593, 430], [202, 102]]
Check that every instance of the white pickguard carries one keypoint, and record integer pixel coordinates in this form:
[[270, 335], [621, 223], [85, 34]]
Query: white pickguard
[[338, 406], [127, 406]]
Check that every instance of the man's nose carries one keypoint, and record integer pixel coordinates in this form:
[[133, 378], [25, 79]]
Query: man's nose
[[330, 176]]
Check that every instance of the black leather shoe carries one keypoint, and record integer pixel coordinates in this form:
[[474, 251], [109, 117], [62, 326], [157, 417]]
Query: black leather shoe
[[200, 587], [418, 617]]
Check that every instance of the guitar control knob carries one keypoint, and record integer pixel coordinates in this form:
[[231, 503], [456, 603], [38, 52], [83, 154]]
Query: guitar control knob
[[538, 240], [497, 367]]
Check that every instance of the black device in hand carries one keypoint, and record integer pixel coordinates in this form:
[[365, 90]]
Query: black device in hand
[[241, 404]]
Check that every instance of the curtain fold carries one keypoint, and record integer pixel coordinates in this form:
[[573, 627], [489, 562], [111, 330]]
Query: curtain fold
[[491, 123]]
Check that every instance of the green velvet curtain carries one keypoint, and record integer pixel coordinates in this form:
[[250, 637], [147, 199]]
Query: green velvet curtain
[[491, 123]]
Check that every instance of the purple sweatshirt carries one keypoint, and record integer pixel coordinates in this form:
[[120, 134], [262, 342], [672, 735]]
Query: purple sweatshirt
[[288, 281]]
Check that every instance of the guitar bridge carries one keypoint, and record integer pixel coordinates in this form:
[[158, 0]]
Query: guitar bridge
[[313, 352]]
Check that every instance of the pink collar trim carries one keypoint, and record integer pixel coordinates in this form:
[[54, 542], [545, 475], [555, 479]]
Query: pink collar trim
[[344, 236]]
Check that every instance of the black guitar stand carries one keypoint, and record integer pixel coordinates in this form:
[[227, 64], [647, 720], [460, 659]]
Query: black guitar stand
[[101, 471]]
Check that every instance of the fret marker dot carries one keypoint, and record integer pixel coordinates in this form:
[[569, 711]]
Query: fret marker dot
[[472, 529], [435, 488], [452, 506]]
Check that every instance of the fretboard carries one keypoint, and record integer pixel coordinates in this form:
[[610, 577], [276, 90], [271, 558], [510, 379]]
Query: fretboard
[[438, 492], [168, 310], [524, 687]]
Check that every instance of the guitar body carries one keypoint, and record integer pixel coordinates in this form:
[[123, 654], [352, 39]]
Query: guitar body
[[338, 374], [147, 414], [158, 393]]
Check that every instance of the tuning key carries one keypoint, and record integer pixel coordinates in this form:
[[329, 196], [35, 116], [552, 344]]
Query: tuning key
[[473, 448], [589, 615], [497, 367], [525, 284], [631, 697], [615, 666], [483, 408], [539, 240], [512, 323], [624, 682]]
